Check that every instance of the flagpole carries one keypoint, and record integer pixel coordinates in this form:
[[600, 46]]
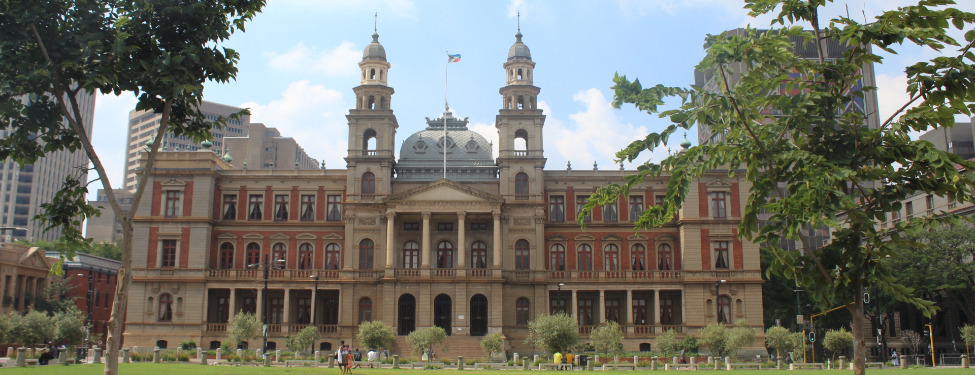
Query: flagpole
[[445, 109]]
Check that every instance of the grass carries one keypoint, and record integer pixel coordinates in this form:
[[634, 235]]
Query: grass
[[196, 369]]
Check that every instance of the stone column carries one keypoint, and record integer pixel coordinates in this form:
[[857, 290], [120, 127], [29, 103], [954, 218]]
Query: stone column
[[497, 238], [260, 303], [683, 307], [601, 314], [575, 305], [286, 317], [461, 239], [390, 238], [425, 242], [655, 311], [628, 314], [232, 303]]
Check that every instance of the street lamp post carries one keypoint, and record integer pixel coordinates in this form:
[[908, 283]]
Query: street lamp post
[[561, 302], [314, 308], [717, 299]]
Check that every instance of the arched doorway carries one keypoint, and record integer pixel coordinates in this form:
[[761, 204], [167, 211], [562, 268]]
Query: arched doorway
[[479, 315], [407, 314], [442, 312]]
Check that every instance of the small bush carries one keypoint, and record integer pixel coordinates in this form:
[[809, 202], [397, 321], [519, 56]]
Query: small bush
[[173, 357], [187, 345], [643, 363], [432, 367]]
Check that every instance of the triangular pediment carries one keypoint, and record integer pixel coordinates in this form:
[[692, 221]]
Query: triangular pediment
[[444, 191], [35, 258]]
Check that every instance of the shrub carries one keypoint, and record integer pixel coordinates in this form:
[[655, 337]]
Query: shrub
[[608, 338], [187, 344], [376, 335], [424, 338], [554, 333]]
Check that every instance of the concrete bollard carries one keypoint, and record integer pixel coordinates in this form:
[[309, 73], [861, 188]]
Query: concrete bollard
[[21, 357], [277, 356], [11, 352], [331, 360], [395, 360], [525, 364], [636, 359], [63, 357], [673, 360], [201, 356], [778, 364], [219, 354], [616, 359], [653, 363], [535, 358], [260, 354], [460, 363], [267, 360], [240, 354], [515, 357], [964, 361], [179, 352], [692, 360], [126, 357], [842, 362], [155, 355], [318, 357], [904, 361], [589, 365], [98, 356], [710, 360]]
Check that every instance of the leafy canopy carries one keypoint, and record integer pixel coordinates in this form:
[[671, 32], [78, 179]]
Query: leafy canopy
[[376, 335], [607, 338], [553, 333], [242, 327], [424, 338]]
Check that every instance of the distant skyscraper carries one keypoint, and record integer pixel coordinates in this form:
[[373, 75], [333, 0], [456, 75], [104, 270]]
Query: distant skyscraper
[[143, 126], [106, 227], [265, 148], [24, 188], [959, 140]]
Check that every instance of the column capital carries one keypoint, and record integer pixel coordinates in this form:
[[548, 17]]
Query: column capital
[[496, 214], [461, 215], [390, 215], [426, 215]]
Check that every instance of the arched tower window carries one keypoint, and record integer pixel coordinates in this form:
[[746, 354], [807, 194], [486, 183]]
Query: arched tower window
[[369, 140], [381, 73], [520, 74], [521, 142], [368, 183], [382, 102], [372, 102], [521, 183], [521, 102], [372, 73]]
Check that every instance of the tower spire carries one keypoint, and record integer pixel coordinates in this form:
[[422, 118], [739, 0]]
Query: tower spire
[[375, 23], [519, 22]]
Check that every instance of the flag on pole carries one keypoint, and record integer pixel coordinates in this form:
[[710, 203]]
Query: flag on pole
[[453, 58]]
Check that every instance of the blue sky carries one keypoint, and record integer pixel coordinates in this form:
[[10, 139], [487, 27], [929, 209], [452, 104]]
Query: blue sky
[[298, 67]]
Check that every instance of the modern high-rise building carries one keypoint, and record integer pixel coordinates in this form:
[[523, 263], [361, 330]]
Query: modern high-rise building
[[143, 126], [106, 227], [959, 140], [265, 148], [24, 188], [485, 247]]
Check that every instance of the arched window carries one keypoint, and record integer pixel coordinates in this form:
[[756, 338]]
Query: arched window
[[611, 257], [557, 257], [366, 254], [165, 308], [521, 183], [332, 256], [369, 140], [226, 255], [305, 256], [521, 142], [279, 253], [372, 73], [520, 74], [522, 311], [724, 309], [584, 252], [368, 183], [411, 255], [445, 255], [365, 310], [638, 257], [479, 255], [521, 102], [253, 254], [372, 102], [664, 257], [522, 259]]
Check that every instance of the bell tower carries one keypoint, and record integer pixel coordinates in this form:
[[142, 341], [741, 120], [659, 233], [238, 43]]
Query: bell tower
[[519, 122], [372, 128]]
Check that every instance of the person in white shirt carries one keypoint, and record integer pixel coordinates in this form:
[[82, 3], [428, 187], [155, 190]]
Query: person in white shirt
[[372, 356]]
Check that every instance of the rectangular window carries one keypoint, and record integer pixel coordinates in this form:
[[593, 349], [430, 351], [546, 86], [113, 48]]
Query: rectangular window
[[929, 202], [718, 205], [230, 206], [254, 207], [909, 209], [895, 216], [280, 207], [636, 207], [172, 203], [479, 225], [721, 255], [581, 201], [556, 208], [168, 254], [307, 208], [411, 226], [445, 227], [609, 213], [334, 208]]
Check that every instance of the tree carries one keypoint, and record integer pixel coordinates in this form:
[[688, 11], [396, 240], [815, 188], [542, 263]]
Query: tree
[[54, 298], [242, 327], [782, 340], [607, 338], [56, 51], [70, 326], [109, 250], [668, 342], [912, 339], [493, 343], [302, 340], [809, 161], [838, 341], [722, 341], [376, 335], [554, 333], [968, 335], [424, 338], [33, 328]]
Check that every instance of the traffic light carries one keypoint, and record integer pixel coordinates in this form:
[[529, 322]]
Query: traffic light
[[812, 336]]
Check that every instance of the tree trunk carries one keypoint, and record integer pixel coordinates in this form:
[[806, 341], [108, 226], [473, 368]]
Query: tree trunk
[[859, 344], [121, 299]]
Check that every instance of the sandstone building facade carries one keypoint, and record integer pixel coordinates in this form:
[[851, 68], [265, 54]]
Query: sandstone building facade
[[484, 247]]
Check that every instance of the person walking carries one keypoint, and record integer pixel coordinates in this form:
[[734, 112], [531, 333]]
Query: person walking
[[894, 358], [340, 359]]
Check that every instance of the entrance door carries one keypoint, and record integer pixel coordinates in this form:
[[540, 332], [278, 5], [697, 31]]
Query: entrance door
[[442, 312], [407, 314], [479, 315]]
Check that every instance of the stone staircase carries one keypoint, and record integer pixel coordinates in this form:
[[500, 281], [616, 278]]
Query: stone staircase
[[467, 346]]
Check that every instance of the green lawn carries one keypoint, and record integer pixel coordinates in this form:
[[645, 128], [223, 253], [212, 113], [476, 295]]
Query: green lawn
[[190, 369]]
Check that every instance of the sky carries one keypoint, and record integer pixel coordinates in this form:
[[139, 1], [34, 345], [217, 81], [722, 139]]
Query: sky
[[299, 64]]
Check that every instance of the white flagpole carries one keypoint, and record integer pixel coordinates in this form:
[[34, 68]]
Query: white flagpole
[[445, 109]]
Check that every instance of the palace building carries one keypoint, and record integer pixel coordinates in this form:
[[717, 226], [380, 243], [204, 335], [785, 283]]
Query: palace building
[[484, 247]]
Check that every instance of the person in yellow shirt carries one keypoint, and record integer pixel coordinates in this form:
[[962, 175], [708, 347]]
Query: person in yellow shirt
[[557, 357], [570, 358]]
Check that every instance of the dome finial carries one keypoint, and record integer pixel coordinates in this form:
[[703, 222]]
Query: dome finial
[[375, 23]]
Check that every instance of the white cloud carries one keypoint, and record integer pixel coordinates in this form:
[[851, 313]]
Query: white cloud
[[311, 114], [338, 61], [488, 131], [594, 134], [398, 8], [516, 6], [109, 132], [891, 94], [642, 7]]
